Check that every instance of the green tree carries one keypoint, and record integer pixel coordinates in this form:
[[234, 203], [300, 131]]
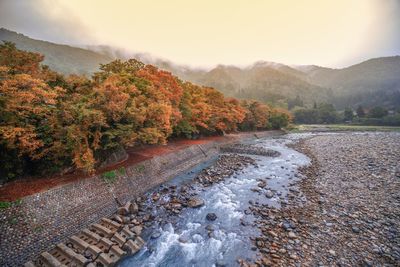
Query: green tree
[[305, 115], [296, 102], [327, 113], [348, 114], [377, 112]]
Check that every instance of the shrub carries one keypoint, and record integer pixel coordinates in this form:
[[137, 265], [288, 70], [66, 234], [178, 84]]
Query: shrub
[[109, 177]]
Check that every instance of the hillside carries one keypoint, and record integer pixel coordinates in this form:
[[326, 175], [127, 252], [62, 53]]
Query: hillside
[[370, 74], [61, 58], [369, 83], [372, 82], [270, 84]]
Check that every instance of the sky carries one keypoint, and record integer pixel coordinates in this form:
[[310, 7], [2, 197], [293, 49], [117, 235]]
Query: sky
[[332, 33]]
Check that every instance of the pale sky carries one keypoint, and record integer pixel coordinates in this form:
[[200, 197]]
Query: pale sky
[[333, 33]]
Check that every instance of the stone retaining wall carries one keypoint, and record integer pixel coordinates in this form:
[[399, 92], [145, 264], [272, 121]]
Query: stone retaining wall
[[45, 219]]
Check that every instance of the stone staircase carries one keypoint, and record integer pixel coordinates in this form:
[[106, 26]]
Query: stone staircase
[[101, 244]]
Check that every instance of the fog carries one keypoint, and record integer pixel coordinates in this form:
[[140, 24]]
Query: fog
[[205, 33]]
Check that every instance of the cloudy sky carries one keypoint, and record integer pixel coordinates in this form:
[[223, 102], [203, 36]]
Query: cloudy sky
[[334, 33]]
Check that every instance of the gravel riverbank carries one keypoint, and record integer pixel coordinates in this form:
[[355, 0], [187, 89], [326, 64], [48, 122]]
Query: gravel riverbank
[[345, 212], [262, 203]]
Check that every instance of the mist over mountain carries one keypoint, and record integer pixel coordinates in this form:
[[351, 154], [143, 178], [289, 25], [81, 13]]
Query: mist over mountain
[[61, 58], [372, 82], [369, 83], [270, 84]]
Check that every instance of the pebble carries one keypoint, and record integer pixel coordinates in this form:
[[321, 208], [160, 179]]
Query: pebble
[[350, 185], [156, 234], [269, 194]]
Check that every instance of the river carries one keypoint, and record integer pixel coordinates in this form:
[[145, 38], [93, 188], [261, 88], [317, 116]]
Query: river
[[190, 239]]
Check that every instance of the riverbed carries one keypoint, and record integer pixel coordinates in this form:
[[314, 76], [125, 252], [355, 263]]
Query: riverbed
[[192, 237]]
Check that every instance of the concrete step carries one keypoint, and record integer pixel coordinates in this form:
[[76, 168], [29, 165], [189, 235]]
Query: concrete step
[[78, 244], [110, 224], [118, 239], [89, 237], [105, 260], [67, 256], [101, 230], [102, 244], [29, 264], [126, 233], [105, 244], [93, 252], [133, 246], [116, 251], [47, 260]]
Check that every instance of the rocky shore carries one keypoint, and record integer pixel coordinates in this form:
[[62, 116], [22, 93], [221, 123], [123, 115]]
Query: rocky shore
[[250, 149], [169, 201], [343, 209], [141, 216], [350, 212]]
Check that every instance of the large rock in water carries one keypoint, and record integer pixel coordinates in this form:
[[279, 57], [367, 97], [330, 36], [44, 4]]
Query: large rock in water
[[195, 202], [211, 216]]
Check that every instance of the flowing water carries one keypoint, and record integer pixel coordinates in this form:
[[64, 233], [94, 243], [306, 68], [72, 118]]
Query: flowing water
[[188, 242]]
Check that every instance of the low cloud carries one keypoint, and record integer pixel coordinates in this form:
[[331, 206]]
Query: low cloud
[[44, 19]]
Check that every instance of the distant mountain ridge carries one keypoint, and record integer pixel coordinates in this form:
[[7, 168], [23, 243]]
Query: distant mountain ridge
[[61, 58], [369, 83]]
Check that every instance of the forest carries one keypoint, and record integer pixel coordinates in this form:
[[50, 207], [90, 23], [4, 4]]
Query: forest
[[50, 122], [327, 113]]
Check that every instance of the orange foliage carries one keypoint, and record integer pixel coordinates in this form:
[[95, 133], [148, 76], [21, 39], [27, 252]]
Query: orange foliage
[[52, 120], [168, 85], [28, 104]]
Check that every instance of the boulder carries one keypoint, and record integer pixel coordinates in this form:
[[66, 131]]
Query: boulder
[[195, 202]]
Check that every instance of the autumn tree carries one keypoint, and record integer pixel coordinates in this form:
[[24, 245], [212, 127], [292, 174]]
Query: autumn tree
[[18, 61], [49, 121], [27, 107], [257, 115]]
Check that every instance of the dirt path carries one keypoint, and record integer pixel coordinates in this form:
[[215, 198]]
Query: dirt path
[[29, 186], [350, 215]]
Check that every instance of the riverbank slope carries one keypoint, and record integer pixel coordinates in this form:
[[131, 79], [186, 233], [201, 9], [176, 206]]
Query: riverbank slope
[[44, 219]]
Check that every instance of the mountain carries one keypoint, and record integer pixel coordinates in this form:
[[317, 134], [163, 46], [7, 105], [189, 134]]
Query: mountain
[[372, 82], [375, 82], [367, 75], [62, 58], [270, 83]]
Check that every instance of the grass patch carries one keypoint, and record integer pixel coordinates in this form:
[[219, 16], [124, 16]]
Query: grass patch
[[8, 204], [38, 228], [13, 220], [342, 127], [5, 204], [121, 171], [109, 177], [140, 168]]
